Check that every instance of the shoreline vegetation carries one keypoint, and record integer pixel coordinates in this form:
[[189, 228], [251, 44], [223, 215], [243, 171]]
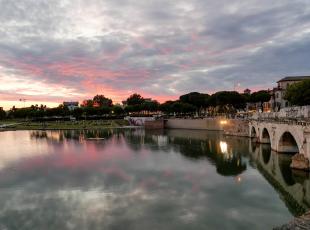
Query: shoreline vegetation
[[12, 125], [223, 102], [190, 104]]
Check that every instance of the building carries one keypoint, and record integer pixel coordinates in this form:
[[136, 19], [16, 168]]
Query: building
[[277, 100], [71, 105]]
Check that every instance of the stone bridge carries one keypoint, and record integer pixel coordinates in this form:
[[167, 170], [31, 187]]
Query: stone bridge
[[284, 137]]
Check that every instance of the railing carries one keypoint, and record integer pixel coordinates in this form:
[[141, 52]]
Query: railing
[[290, 121]]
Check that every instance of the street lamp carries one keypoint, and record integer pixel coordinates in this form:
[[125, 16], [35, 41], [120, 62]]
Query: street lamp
[[236, 86], [24, 100]]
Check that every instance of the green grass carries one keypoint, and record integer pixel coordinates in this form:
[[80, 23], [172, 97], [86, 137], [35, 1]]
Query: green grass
[[99, 124], [12, 121]]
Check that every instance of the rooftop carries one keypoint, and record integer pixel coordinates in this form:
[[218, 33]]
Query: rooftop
[[296, 78], [68, 103]]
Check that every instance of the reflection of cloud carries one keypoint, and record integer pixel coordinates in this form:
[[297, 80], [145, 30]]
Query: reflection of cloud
[[83, 186], [13, 151], [188, 216]]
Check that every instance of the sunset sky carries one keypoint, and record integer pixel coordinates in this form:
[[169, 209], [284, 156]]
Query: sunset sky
[[61, 50]]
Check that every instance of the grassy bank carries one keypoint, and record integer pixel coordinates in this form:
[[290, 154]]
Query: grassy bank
[[88, 124]]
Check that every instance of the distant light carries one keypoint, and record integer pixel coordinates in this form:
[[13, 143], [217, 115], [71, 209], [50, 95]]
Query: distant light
[[223, 122], [238, 179], [223, 146]]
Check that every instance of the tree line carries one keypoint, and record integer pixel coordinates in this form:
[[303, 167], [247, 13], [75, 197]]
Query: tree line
[[99, 105], [228, 102]]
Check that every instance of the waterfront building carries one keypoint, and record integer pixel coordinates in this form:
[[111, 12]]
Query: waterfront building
[[71, 105], [277, 100]]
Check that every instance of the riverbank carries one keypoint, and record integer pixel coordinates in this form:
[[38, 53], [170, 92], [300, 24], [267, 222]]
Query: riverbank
[[63, 125]]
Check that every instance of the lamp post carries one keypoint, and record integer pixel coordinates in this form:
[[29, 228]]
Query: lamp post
[[24, 100], [236, 85]]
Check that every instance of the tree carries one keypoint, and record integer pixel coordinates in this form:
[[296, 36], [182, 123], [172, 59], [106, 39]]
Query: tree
[[118, 110], [89, 111], [166, 107], [78, 112], [150, 106], [101, 100], [57, 111], [200, 100], [188, 108], [2, 114], [227, 101], [103, 110], [129, 108], [260, 97], [299, 93], [246, 97], [135, 99], [88, 103], [177, 107], [237, 100]]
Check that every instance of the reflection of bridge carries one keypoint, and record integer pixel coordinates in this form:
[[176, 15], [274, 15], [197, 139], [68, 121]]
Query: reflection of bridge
[[294, 187], [284, 137]]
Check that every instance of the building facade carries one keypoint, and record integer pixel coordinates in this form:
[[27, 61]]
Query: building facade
[[277, 100], [71, 105]]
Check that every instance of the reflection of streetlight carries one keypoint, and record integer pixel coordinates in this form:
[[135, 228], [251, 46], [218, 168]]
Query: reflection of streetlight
[[223, 146], [238, 179]]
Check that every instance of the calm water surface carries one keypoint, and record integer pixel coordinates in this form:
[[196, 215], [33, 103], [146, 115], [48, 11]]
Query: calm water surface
[[176, 179]]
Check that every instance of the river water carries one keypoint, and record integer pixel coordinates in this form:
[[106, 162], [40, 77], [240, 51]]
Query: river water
[[136, 179]]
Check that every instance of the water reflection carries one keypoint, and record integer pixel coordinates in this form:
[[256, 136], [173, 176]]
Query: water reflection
[[137, 179], [78, 135], [223, 146], [292, 185], [194, 145]]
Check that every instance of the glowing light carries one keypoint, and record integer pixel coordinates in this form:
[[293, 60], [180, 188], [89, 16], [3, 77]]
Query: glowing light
[[223, 146], [238, 179], [223, 122]]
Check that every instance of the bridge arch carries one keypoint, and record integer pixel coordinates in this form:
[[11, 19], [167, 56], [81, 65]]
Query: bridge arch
[[254, 134], [265, 137], [266, 153], [287, 143]]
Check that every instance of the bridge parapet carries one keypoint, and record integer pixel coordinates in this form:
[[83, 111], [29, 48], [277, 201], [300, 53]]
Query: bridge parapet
[[299, 112], [290, 121]]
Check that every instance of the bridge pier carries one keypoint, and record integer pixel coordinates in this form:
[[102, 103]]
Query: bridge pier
[[299, 161]]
